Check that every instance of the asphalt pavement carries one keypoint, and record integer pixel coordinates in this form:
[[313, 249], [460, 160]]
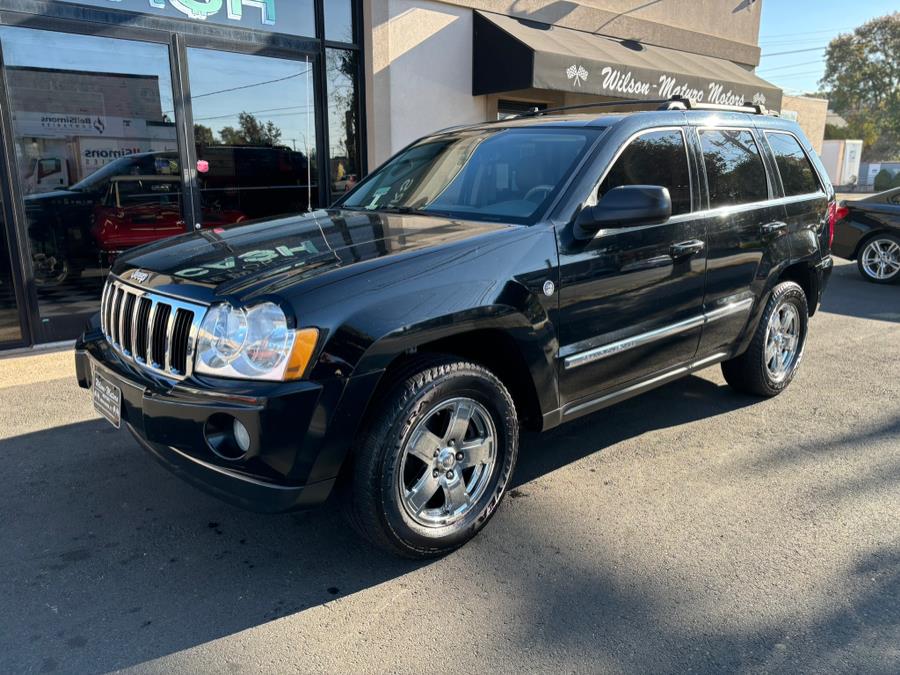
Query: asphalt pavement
[[692, 528]]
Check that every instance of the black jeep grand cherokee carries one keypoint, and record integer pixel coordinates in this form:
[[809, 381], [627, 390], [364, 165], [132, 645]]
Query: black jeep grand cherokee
[[522, 272]]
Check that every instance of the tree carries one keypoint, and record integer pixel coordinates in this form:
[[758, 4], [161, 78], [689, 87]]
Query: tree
[[251, 132], [862, 78], [883, 180], [203, 135]]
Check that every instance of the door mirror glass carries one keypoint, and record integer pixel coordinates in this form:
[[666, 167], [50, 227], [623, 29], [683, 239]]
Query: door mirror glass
[[625, 206]]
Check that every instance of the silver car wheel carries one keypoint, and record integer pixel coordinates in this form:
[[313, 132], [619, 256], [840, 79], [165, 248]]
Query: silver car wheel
[[782, 341], [881, 259], [447, 462]]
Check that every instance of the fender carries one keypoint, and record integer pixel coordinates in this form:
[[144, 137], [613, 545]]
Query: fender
[[808, 272], [536, 342]]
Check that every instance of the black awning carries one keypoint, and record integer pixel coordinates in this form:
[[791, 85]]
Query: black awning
[[514, 54]]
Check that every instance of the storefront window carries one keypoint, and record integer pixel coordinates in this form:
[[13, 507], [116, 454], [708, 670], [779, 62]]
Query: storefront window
[[341, 67], [255, 131], [338, 20], [90, 116]]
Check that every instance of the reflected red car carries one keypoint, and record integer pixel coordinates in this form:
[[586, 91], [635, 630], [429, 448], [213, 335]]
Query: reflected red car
[[139, 210]]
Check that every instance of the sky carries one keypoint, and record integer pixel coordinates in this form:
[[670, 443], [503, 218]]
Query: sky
[[808, 25]]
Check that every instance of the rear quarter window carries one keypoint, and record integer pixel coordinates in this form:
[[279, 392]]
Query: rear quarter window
[[735, 172], [797, 174]]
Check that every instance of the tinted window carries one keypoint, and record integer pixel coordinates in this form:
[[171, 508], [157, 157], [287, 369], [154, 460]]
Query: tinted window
[[508, 175], [797, 174], [255, 134], [654, 158], [734, 167]]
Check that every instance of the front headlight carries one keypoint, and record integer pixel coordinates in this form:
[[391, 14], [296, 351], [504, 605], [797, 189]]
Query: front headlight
[[253, 343]]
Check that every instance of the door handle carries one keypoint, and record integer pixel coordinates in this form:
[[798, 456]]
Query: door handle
[[776, 226], [685, 249]]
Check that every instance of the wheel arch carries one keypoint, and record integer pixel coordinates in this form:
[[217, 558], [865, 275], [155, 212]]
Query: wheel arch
[[804, 275], [494, 349]]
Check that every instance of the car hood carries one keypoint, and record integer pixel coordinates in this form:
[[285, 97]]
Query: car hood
[[267, 256]]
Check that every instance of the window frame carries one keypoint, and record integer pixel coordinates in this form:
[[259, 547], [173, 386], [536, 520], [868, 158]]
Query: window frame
[[819, 183], [591, 201]]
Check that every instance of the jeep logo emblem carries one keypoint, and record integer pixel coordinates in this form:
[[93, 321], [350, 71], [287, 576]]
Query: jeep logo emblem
[[140, 276]]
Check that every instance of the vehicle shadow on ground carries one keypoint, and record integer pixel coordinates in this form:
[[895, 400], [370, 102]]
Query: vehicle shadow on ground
[[128, 563], [850, 295], [687, 400]]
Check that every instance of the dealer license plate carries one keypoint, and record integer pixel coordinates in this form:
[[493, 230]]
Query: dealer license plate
[[108, 400]]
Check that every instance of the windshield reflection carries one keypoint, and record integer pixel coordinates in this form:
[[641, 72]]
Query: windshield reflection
[[495, 174]]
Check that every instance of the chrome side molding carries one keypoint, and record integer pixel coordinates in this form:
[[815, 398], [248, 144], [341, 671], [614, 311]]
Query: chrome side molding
[[613, 348]]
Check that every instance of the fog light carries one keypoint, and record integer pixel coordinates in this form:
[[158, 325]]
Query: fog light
[[241, 436]]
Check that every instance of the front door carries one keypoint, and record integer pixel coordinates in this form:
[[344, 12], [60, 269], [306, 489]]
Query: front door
[[630, 298]]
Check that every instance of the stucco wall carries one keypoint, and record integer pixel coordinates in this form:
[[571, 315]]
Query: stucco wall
[[811, 114], [421, 74]]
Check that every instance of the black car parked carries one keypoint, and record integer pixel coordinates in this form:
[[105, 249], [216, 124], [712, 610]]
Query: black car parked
[[868, 231], [524, 272]]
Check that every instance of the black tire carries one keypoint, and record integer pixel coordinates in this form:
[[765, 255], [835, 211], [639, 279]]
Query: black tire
[[372, 491], [750, 372], [886, 240]]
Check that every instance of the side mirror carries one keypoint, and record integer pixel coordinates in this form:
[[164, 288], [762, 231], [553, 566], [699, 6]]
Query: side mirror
[[625, 206]]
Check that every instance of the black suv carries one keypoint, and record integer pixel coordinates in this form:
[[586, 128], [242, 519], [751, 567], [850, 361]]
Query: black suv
[[524, 272]]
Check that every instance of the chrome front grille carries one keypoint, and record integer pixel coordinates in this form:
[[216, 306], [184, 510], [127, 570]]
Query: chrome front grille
[[155, 331]]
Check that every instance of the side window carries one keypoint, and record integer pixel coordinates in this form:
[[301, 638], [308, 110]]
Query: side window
[[734, 168], [654, 158], [797, 174]]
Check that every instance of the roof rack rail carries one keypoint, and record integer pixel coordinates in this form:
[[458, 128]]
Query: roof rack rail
[[682, 103], [650, 104], [673, 103]]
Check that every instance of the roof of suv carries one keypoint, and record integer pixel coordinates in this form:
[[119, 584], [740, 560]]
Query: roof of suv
[[670, 109]]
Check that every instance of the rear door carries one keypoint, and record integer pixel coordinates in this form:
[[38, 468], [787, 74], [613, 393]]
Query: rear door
[[745, 230], [805, 201], [630, 298]]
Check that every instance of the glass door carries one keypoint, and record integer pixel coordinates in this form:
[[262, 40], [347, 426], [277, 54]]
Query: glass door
[[255, 135], [97, 161]]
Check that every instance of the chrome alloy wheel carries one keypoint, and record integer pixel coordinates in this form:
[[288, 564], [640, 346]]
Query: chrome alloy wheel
[[782, 341], [881, 259], [447, 462]]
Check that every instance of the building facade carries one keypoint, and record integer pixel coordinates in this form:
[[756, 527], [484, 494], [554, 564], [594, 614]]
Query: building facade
[[126, 121]]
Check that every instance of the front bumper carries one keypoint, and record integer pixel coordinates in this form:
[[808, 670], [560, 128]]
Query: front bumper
[[287, 422]]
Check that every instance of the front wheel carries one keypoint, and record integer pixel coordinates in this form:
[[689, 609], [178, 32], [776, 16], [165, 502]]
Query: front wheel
[[879, 259], [433, 463], [772, 359]]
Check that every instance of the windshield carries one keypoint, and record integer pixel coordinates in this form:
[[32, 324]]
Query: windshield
[[507, 175]]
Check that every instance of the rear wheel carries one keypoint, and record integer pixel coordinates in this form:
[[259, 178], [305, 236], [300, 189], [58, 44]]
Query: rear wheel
[[434, 462], [879, 259], [772, 359]]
